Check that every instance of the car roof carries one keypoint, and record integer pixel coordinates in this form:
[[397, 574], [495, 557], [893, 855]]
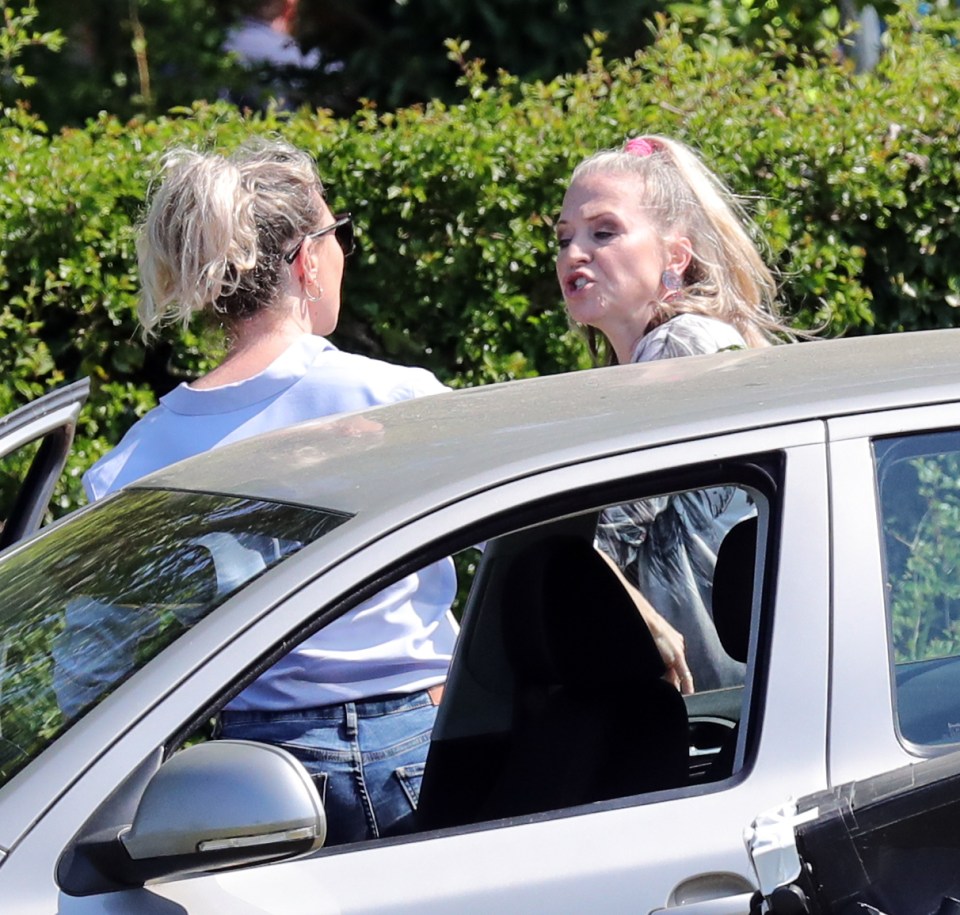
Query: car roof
[[446, 445]]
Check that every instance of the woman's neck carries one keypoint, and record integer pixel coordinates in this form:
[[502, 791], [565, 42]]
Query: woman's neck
[[625, 345], [255, 345], [624, 335]]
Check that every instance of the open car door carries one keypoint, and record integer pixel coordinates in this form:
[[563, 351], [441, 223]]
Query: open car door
[[885, 845], [43, 432]]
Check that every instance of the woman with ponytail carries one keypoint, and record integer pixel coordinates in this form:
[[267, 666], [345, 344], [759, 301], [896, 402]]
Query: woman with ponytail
[[249, 241], [656, 261]]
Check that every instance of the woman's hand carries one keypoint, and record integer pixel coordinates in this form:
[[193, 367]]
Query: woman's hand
[[668, 640], [669, 643]]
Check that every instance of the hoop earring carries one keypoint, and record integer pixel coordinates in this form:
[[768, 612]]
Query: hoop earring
[[312, 297]]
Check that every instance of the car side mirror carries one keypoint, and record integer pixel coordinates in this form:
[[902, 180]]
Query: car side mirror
[[222, 804], [212, 806]]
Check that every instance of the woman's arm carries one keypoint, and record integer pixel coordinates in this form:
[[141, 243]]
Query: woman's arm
[[668, 640]]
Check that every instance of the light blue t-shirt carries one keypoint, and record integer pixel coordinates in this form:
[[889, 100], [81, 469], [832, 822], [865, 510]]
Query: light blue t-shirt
[[311, 379], [399, 641]]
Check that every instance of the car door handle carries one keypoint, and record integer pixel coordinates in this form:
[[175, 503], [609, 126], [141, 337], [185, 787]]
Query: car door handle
[[724, 905]]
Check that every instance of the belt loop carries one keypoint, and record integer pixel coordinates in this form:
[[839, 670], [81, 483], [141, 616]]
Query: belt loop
[[351, 719]]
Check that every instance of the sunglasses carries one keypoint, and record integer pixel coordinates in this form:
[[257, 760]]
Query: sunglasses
[[342, 228]]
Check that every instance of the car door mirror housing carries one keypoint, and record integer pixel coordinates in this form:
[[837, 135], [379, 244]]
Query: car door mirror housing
[[222, 804], [216, 805]]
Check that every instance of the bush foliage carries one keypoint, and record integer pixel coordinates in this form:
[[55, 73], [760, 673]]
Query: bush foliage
[[852, 180], [139, 57]]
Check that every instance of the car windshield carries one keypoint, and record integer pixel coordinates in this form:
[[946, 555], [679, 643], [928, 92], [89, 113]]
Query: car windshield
[[91, 601]]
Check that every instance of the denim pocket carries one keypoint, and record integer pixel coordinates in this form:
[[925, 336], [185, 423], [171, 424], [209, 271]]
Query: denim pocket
[[319, 780], [410, 778]]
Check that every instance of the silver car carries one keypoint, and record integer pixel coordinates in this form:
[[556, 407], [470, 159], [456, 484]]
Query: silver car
[[563, 775]]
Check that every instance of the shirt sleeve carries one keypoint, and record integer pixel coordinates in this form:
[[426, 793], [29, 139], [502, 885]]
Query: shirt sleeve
[[416, 382], [688, 335]]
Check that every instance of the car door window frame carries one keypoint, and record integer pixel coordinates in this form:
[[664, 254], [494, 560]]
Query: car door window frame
[[864, 735], [927, 720]]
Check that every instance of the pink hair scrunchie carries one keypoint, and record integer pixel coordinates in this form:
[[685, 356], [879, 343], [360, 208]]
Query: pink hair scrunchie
[[639, 146]]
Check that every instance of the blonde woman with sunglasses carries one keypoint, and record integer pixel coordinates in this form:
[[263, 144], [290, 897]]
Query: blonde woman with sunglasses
[[250, 241]]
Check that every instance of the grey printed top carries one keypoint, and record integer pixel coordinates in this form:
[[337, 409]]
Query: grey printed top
[[688, 335], [667, 545]]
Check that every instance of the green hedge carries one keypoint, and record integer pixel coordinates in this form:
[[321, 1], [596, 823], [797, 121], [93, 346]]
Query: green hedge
[[853, 181]]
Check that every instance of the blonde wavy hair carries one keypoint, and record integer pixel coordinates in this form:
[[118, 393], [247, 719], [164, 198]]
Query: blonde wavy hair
[[217, 228], [727, 277]]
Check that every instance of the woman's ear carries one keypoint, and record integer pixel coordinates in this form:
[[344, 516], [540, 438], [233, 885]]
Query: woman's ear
[[679, 254], [310, 262]]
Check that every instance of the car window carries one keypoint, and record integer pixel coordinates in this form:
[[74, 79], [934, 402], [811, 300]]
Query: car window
[[556, 697], [35, 441], [667, 547], [88, 603], [13, 471], [918, 479]]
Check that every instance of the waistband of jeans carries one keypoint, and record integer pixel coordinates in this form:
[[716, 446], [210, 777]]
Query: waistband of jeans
[[373, 707]]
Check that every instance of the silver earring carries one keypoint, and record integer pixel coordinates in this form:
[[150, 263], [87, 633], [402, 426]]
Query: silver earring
[[312, 298], [671, 280]]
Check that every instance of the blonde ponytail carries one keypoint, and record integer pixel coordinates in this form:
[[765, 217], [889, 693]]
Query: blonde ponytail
[[217, 228]]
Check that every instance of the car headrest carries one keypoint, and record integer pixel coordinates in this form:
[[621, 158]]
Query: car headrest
[[568, 620], [733, 588]]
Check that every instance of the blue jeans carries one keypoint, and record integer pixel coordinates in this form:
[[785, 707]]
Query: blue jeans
[[366, 758]]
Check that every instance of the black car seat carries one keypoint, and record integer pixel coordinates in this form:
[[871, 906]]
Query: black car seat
[[593, 720], [732, 605]]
